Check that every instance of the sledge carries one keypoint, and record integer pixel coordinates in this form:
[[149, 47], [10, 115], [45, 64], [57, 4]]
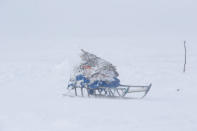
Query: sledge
[[96, 77], [122, 91]]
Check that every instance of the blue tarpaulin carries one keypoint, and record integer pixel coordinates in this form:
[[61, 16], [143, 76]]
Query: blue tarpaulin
[[85, 81]]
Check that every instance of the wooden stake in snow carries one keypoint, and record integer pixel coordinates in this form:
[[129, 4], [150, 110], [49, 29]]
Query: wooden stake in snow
[[185, 62]]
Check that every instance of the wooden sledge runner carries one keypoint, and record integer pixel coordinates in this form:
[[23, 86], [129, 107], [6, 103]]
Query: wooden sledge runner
[[122, 91]]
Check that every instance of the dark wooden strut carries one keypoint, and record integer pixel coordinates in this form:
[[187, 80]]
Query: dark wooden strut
[[82, 91], [75, 91], [112, 93], [118, 92], [122, 94], [100, 91], [88, 91]]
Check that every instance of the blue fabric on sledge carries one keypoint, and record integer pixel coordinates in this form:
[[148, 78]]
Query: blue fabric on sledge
[[96, 84], [112, 84], [81, 77]]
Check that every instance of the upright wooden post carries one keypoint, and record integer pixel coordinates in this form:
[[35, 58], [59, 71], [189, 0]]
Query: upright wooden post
[[185, 60]]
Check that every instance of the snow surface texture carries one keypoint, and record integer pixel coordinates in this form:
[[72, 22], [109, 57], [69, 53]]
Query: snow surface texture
[[40, 42]]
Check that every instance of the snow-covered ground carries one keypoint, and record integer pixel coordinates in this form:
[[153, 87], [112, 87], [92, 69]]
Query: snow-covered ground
[[40, 42], [32, 87]]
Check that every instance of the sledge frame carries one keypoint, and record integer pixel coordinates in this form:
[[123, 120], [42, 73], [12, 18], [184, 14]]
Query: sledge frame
[[121, 92]]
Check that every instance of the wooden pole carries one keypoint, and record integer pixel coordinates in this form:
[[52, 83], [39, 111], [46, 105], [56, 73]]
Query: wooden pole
[[75, 91], [185, 60], [81, 91]]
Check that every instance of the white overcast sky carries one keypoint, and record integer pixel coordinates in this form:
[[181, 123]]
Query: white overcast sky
[[97, 18], [29, 24]]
